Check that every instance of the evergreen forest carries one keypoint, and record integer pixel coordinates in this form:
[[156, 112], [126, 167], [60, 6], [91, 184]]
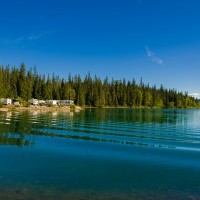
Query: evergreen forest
[[89, 91]]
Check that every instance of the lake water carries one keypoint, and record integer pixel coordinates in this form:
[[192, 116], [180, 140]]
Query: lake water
[[100, 154]]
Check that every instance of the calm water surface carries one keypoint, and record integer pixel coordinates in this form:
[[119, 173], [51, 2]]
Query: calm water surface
[[100, 154]]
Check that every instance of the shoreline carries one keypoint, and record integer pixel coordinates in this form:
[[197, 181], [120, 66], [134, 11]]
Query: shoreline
[[142, 107], [41, 108], [32, 108]]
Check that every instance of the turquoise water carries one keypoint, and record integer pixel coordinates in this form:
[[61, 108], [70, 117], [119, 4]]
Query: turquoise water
[[100, 154]]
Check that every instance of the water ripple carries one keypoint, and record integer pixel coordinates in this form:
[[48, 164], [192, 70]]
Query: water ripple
[[178, 129]]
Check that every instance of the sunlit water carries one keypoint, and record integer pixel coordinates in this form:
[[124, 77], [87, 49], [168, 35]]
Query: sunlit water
[[100, 154]]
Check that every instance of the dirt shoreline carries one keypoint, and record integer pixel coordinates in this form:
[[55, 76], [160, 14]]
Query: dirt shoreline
[[41, 108]]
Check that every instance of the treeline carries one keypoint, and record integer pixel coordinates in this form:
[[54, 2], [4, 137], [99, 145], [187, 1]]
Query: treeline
[[20, 83]]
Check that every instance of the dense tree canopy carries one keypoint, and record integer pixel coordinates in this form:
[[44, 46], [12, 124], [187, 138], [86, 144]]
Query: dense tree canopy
[[18, 82]]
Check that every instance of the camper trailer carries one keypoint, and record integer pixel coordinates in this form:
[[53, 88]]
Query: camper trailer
[[15, 102], [33, 101], [66, 102], [51, 102], [6, 101]]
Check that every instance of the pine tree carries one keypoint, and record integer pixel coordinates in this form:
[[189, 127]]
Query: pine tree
[[13, 83], [147, 99], [139, 97], [48, 89], [22, 83], [29, 82], [16, 82]]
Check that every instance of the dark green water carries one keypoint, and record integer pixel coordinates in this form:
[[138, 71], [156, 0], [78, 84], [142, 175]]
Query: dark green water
[[100, 154]]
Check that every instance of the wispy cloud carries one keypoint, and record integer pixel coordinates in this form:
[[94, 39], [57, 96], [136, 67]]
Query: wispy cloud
[[22, 39], [35, 36], [153, 56], [195, 95]]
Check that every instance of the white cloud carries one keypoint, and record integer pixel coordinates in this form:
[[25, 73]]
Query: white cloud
[[153, 57], [195, 95]]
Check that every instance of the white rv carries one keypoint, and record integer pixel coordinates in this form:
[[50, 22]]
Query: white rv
[[66, 102], [70, 102], [6, 101], [52, 102], [33, 101], [15, 102], [41, 101]]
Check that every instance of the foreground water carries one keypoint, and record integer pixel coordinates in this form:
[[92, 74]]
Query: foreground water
[[100, 154]]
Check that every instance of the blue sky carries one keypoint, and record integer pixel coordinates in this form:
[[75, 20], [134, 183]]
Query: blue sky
[[158, 40]]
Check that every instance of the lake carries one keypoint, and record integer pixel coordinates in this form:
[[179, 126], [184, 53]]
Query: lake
[[100, 154]]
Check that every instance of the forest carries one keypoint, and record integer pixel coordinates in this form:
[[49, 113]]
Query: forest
[[17, 82]]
